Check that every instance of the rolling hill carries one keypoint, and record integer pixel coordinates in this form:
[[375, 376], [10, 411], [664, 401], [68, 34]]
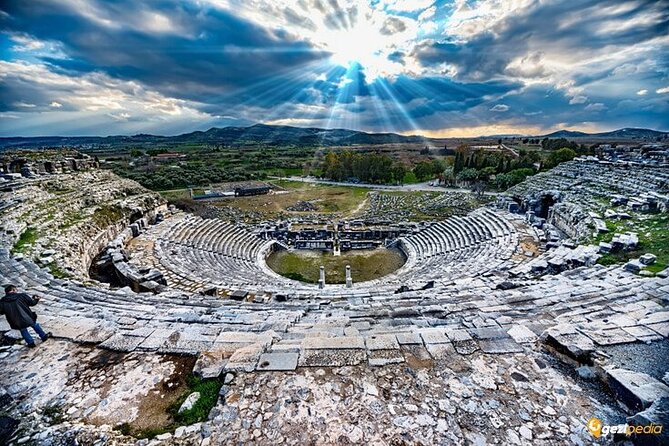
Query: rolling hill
[[255, 134]]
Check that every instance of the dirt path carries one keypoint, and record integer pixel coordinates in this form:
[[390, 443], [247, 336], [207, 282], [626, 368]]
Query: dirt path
[[359, 207]]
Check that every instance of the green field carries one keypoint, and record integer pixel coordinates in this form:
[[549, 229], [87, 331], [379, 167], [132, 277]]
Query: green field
[[365, 264], [653, 232]]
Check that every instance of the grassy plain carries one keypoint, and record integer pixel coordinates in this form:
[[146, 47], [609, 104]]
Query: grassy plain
[[365, 264]]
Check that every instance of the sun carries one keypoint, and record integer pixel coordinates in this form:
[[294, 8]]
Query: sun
[[359, 44]]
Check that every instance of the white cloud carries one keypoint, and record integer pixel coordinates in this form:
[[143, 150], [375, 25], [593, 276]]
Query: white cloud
[[26, 43], [580, 99], [95, 93], [427, 14], [406, 5], [662, 90], [598, 106], [500, 108], [642, 92], [123, 116], [24, 104], [484, 15]]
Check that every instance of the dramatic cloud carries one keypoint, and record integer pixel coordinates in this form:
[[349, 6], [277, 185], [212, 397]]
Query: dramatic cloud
[[431, 67]]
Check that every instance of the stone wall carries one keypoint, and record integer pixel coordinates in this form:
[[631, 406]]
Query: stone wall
[[570, 219]]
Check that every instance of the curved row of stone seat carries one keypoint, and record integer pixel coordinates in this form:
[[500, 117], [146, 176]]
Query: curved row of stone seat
[[461, 246], [468, 313], [582, 181]]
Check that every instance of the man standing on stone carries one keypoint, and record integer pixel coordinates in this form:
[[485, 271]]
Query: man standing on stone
[[16, 307]]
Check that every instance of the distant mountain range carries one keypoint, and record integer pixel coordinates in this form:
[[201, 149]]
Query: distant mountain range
[[280, 135], [255, 134], [626, 133]]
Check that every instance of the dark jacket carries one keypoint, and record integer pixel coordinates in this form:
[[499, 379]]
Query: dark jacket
[[16, 306]]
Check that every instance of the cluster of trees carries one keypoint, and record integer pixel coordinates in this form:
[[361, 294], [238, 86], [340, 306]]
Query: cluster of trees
[[364, 167], [499, 161], [425, 170], [178, 177], [500, 169], [558, 143]]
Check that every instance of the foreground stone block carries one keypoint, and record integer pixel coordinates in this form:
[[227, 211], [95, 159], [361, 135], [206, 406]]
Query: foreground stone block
[[382, 342], [434, 336], [522, 334], [409, 339], [573, 345], [440, 351], [657, 414], [504, 345], [245, 358], [210, 364], [636, 390], [277, 361], [122, 342], [385, 357], [331, 358], [466, 347], [337, 343]]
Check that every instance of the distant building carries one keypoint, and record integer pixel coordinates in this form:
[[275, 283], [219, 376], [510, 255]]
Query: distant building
[[251, 190]]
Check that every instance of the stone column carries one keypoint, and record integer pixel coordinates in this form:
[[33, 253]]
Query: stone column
[[321, 281], [349, 280]]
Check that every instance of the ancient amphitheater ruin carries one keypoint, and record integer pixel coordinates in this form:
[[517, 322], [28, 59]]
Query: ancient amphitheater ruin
[[500, 328]]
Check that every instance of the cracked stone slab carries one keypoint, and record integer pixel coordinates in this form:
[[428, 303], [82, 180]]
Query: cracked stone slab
[[409, 338], [440, 351], [382, 342], [458, 334], [575, 345], [210, 364], [496, 346], [611, 337], [155, 339], [337, 343], [71, 332], [96, 335], [488, 333], [434, 336], [637, 390], [522, 334], [122, 342], [385, 357], [245, 358], [642, 333], [243, 337], [466, 347], [661, 328], [277, 361], [331, 358], [176, 343]]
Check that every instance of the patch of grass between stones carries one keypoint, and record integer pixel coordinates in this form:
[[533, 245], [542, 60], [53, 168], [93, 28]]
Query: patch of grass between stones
[[208, 389], [653, 238], [28, 237], [57, 272]]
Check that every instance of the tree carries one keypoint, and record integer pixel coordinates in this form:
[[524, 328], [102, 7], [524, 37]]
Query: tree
[[399, 171], [560, 156], [424, 170], [468, 174]]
